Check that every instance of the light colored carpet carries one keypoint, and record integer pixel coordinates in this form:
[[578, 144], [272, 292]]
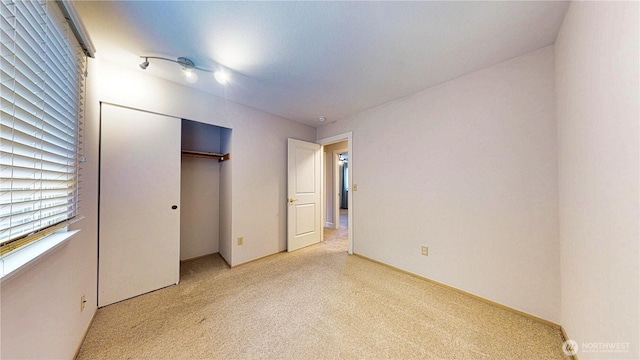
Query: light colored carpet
[[316, 303], [342, 232]]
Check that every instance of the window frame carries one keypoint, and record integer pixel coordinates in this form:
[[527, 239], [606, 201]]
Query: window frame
[[50, 35]]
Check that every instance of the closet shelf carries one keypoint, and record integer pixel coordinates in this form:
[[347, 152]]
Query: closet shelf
[[208, 155]]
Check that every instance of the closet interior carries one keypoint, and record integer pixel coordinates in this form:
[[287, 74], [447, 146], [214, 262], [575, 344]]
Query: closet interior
[[204, 168]]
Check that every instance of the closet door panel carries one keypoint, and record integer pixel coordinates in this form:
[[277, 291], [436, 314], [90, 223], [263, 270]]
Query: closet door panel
[[139, 236]]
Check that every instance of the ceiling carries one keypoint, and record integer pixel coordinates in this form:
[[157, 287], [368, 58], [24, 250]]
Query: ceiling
[[302, 60]]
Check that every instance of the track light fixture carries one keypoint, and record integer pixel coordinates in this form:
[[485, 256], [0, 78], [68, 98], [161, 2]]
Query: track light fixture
[[188, 67]]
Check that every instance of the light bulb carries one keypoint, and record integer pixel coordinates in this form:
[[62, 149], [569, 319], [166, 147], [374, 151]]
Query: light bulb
[[221, 77], [190, 75]]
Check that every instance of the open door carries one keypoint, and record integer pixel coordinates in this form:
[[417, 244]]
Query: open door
[[303, 191]]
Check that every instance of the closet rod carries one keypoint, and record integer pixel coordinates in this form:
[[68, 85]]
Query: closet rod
[[208, 155]]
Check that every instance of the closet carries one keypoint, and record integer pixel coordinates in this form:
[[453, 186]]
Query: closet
[[160, 199], [203, 151]]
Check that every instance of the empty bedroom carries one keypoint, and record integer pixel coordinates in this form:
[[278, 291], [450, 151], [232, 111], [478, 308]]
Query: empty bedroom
[[320, 180]]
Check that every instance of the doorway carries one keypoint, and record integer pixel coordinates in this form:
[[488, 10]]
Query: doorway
[[336, 190], [337, 199]]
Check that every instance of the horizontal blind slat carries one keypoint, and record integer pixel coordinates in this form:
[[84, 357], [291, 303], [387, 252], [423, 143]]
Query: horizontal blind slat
[[32, 226], [22, 196], [12, 204], [60, 156], [34, 215], [36, 140], [46, 133], [18, 174]]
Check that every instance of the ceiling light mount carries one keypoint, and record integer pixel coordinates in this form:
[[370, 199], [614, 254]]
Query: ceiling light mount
[[144, 65], [188, 66]]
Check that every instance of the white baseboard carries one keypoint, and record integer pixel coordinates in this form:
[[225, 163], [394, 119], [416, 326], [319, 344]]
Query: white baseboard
[[328, 224]]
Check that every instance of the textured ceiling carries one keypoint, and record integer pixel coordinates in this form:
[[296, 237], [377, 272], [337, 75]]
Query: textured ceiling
[[301, 60]]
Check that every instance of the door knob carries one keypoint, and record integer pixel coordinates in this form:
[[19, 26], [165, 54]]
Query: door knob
[[292, 200]]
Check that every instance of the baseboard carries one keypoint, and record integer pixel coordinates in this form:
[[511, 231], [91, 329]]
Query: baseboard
[[259, 258], [328, 224], [86, 332], [203, 256], [198, 257], [225, 260], [508, 308], [566, 337]]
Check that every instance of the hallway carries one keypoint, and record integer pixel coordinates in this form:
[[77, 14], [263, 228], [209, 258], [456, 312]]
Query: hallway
[[342, 233]]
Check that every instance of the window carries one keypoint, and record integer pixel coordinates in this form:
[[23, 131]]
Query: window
[[42, 85]]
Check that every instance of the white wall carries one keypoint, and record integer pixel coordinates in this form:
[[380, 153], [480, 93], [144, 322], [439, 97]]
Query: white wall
[[199, 207], [40, 316], [470, 171], [597, 82], [226, 169], [198, 136]]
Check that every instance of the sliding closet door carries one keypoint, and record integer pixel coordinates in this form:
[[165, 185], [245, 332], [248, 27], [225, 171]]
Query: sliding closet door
[[139, 243]]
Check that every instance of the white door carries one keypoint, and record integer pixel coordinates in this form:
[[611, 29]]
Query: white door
[[139, 235], [303, 190]]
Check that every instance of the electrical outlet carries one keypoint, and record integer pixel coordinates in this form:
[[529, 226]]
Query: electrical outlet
[[425, 250], [240, 240], [83, 302]]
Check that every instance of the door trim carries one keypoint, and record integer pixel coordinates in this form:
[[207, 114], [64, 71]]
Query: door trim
[[331, 140]]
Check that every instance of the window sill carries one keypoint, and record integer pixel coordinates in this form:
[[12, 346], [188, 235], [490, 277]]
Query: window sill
[[14, 263]]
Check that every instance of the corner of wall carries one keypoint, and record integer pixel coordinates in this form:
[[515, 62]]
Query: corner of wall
[[597, 103]]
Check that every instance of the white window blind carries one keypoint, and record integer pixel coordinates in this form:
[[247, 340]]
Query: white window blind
[[42, 88]]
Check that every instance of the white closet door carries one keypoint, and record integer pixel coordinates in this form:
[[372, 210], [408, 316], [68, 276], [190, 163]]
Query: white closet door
[[139, 243]]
